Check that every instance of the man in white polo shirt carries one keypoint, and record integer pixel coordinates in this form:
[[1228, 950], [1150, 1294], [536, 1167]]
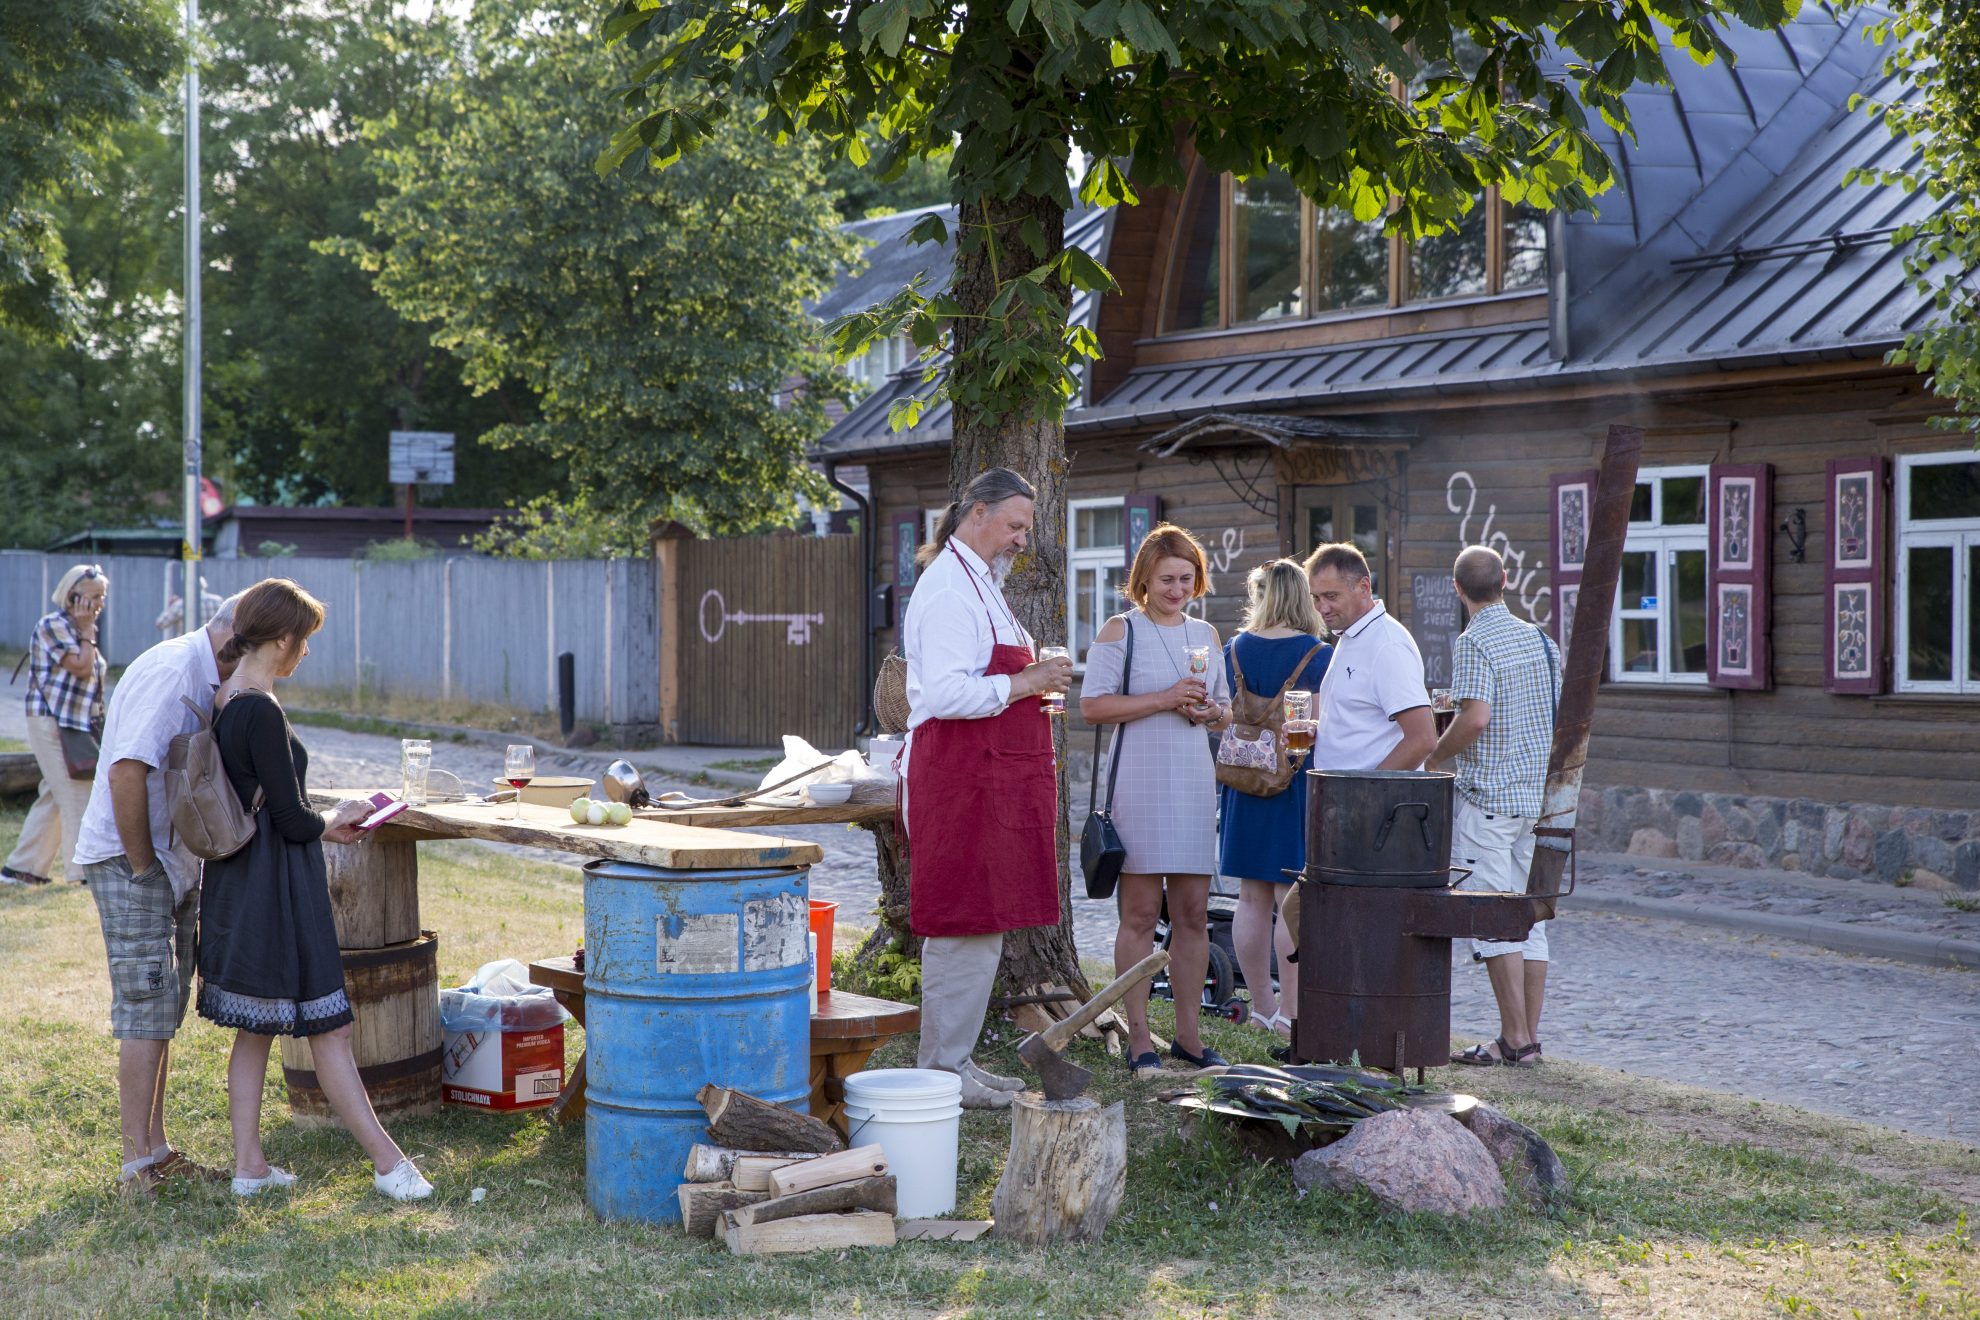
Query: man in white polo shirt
[[1374, 706]]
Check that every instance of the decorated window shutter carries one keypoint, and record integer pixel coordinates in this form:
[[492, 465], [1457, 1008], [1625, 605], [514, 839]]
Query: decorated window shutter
[[1739, 581], [1573, 505], [1854, 576], [1142, 512], [904, 539]]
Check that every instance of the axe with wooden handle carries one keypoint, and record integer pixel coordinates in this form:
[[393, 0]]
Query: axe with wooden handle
[[1045, 1050]]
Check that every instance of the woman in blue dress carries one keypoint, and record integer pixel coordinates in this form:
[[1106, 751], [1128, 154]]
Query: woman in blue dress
[[1263, 837]]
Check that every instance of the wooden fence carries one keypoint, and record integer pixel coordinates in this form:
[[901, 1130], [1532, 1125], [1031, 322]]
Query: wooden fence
[[761, 637]]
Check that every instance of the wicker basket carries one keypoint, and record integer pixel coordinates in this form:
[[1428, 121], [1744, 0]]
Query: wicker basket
[[890, 703]]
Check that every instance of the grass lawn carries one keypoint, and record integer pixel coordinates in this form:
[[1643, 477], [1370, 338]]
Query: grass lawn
[[1687, 1203], [12, 745]]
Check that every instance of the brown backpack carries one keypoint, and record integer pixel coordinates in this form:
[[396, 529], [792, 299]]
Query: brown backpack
[[206, 812], [1251, 756]]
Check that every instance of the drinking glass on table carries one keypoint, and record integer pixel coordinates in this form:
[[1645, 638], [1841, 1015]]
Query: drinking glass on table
[[1300, 727], [518, 768], [415, 759], [1054, 703]]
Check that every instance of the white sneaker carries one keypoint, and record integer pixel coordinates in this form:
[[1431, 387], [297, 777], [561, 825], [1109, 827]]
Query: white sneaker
[[256, 1186], [403, 1183], [977, 1095], [995, 1081]]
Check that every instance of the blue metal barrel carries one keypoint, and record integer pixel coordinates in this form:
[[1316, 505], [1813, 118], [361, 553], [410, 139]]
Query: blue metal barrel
[[691, 977]]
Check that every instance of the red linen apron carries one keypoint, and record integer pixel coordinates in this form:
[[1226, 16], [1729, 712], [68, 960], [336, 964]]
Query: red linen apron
[[983, 813]]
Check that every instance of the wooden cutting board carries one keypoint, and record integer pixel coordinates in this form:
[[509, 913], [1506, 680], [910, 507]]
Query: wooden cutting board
[[648, 842]]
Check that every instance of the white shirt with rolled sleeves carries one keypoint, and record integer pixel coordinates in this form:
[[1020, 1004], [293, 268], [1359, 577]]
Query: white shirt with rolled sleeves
[[145, 714], [1376, 674], [947, 639]]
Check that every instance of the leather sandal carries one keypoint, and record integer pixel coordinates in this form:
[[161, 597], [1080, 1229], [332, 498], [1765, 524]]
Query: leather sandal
[[1481, 1056], [1208, 1059], [1145, 1064]]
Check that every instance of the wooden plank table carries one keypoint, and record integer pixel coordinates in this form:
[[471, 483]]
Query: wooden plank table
[[845, 1031], [756, 815]]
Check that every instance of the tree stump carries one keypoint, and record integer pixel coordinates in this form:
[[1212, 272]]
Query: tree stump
[[1067, 1171], [374, 891]]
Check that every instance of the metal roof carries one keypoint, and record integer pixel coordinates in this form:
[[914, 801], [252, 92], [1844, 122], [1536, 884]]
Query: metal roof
[[1731, 241]]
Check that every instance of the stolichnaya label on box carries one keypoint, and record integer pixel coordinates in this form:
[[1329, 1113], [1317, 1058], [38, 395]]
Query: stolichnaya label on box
[[503, 1069]]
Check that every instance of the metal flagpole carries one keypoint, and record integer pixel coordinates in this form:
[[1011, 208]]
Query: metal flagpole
[[194, 615]]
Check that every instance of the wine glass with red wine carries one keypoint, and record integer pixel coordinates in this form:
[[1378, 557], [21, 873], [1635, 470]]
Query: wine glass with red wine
[[518, 768]]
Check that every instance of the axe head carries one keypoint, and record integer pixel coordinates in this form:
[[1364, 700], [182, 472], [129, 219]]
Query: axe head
[[1064, 1079]]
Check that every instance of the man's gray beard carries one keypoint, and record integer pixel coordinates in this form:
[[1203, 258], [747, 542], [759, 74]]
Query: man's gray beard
[[1000, 567]]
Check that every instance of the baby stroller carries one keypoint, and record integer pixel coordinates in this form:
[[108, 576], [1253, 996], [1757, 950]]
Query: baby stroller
[[1221, 978]]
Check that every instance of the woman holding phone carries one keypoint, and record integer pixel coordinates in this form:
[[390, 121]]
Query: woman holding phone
[[65, 691], [268, 959]]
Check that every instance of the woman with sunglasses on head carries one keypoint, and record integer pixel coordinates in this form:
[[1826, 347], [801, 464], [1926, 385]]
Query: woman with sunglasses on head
[[66, 671]]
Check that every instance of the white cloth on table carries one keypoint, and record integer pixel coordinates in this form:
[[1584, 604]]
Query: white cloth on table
[[145, 714], [1376, 674], [1165, 799]]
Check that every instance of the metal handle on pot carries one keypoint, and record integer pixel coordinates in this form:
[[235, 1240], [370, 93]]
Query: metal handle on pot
[[1463, 874], [1422, 810]]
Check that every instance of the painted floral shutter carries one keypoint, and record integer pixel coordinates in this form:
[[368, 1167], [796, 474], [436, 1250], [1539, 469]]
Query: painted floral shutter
[[1572, 505], [1140, 513], [1739, 576], [1854, 576]]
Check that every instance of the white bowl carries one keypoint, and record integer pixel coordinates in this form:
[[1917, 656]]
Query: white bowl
[[828, 795]]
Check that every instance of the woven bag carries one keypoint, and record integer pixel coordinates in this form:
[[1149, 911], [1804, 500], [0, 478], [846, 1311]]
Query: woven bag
[[890, 703]]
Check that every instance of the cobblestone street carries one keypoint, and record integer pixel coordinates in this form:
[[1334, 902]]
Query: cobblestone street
[[1774, 1019]]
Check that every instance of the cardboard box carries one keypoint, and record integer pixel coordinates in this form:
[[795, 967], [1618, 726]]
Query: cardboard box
[[520, 1069]]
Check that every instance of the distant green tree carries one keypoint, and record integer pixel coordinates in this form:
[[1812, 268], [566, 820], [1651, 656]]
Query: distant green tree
[[1935, 59], [72, 72], [89, 422], [860, 194], [308, 367], [658, 323]]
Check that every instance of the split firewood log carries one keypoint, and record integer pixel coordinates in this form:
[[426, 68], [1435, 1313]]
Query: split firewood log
[[738, 1119]]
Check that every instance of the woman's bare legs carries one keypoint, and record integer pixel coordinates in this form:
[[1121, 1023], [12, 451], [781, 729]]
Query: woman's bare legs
[[247, 1073], [1251, 935], [336, 1072], [1140, 906], [1288, 943], [1189, 954]]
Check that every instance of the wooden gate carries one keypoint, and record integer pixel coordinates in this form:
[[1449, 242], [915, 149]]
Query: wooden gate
[[765, 636]]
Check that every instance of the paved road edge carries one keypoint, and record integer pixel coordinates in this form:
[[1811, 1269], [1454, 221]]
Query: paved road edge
[[1899, 945]]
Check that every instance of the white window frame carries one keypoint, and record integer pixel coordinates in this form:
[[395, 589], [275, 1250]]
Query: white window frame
[[1961, 534], [1101, 559], [1665, 542]]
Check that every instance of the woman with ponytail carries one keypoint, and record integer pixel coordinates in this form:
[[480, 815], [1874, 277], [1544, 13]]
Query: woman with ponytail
[[268, 959]]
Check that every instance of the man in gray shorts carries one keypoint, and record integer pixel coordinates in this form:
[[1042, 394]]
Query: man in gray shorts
[[147, 890]]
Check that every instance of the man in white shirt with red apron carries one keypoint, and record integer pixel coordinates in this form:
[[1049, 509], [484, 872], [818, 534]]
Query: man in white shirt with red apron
[[981, 792]]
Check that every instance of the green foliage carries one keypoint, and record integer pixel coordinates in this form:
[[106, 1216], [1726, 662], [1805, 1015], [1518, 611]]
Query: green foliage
[[557, 528], [861, 196], [398, 550], [1935, 49], [890, 974], [89, 425], [1013, 88], [308, 368], [655, 322], [274, 550], [73, 73]]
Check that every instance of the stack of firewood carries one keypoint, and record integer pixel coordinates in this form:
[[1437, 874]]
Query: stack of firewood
[[774, 1181], [1035, 1012]]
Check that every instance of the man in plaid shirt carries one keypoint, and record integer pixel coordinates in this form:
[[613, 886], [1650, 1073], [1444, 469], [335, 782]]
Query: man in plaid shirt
[[1506, 679]]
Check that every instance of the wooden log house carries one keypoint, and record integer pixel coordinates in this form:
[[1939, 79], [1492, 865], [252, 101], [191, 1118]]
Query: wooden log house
[[1795, 657]]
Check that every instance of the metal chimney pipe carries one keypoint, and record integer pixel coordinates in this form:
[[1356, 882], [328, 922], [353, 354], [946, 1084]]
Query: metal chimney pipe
[[1581, 673]]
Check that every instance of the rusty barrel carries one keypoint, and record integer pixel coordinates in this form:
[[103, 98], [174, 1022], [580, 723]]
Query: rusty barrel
[[1375, 841], [1389, 828], [395, 1035]]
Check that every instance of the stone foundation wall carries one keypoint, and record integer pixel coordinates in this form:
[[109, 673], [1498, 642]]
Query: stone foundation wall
[[1895, 845]]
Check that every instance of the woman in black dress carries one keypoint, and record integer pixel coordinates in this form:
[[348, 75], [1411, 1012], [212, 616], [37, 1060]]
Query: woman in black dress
[[268, 959]]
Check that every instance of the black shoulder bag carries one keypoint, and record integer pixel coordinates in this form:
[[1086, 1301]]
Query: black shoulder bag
[[1101, 852]]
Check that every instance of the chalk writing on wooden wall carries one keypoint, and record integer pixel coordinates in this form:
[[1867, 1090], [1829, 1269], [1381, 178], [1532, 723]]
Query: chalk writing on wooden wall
[[1522, 571], [1436, 617], [797, 627]]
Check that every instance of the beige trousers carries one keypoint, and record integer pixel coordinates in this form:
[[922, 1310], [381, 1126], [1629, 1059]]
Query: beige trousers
[[56, 816], [957, 973]]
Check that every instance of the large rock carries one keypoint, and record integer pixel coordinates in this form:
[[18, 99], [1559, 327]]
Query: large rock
[[1532, 1170], [1412, 1160], [1652, 843]]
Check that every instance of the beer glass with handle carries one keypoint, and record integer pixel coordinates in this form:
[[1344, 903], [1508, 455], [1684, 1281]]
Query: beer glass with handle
[[1299, 726]]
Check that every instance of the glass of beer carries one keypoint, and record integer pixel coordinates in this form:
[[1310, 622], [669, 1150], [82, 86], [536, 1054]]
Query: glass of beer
[[1054, 703], [1300, 727]]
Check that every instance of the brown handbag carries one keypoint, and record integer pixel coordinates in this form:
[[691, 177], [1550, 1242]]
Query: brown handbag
[[1251, 756]]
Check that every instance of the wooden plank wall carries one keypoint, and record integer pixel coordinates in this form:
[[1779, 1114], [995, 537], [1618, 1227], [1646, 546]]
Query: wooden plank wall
[[754, 682], [1483, 474]]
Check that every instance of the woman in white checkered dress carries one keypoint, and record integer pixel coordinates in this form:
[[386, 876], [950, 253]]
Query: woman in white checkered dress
[[1165, 793]]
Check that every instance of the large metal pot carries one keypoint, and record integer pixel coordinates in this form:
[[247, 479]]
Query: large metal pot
[[1390, 828]]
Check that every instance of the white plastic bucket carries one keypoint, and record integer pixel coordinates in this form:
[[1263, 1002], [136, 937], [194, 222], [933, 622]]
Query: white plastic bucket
[[914, 1115]]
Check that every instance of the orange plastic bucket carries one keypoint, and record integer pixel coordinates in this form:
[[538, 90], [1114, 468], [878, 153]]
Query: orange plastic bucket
[[821, 926]]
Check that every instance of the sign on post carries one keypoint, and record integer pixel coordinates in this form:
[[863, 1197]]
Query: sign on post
[[422, 458]]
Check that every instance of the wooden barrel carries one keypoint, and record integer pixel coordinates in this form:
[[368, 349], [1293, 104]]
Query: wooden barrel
[[374, 892], [395, 1001]]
